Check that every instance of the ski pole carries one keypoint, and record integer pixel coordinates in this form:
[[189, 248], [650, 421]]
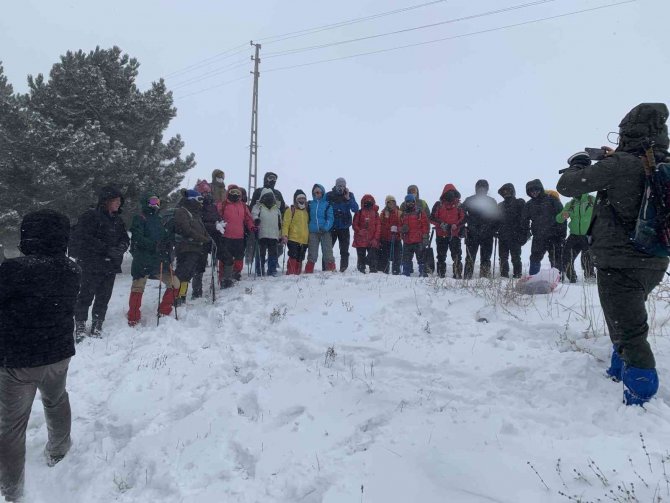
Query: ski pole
[[160, 293], [214, 272], [174, 300], [389, 264], [283, 258], [495, 255]]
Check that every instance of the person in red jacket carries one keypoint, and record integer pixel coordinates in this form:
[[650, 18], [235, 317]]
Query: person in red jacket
[[237, 217], [447, 216], [390, 245], [367, 232], [414, 231]]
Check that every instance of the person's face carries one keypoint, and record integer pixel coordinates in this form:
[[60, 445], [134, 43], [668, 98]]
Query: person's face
[[113, 205], [415, 192], [534, 192], [317, 193], [391, 204], [301, 202]]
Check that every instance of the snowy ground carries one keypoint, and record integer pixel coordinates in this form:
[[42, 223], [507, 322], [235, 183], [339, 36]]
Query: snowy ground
[[351, 388]]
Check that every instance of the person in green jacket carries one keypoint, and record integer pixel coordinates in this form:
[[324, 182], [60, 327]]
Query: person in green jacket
[[579, 210]]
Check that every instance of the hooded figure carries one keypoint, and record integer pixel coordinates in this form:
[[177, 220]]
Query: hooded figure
[[269, 181], [626, 275], [367, 233], [320, 224], [37, 297], [267, 219], [448, 217], [420, 203], [101, 241], [390, 246], [344, 206], [512, 234], [482, 220], [218, 186]]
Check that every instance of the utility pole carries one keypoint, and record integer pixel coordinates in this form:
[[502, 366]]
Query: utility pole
[[253, 144]]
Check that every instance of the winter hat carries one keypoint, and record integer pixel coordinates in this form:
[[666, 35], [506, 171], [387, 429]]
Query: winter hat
[[107, 193], [203, 187], [410, 198], [389, 198], [44, 232], [482, 184], [340, 182], [298, 193], [217, 173], [192, 194]]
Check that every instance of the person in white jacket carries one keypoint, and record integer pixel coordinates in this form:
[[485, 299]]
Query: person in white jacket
[[267, 217]]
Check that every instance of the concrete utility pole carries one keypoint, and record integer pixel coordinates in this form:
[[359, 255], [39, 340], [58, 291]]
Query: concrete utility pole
[[253, 144]]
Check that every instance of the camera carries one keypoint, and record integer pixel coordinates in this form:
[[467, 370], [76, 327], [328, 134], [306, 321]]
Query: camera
[[595, 154]]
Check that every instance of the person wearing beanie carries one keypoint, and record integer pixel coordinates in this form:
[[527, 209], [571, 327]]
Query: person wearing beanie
[[295, 232], [511, 234], [344, 205], [625, 274], [481, 221], [210, 219], [218, 186], [37, 297], [448, 216], [367, 233], [390, 243], [320, 223], [420, 203], [414, 231], [99, 242]]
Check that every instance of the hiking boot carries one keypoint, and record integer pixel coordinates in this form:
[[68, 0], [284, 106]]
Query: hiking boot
[[79, 331], [96, 328], [53, 460], [228, 283], [237, 276]]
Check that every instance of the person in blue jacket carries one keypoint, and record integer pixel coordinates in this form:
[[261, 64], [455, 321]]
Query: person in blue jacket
[[320, 224], [344, 206]]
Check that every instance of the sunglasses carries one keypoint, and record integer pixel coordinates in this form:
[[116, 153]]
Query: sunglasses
[[197, 198], [154, 202], [235, 192]]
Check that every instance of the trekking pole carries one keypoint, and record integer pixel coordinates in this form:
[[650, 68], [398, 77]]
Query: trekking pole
[[160, 293], [174, 300], [214, 272], [283, 258], [495, 255], [389, 264], [257, 256]]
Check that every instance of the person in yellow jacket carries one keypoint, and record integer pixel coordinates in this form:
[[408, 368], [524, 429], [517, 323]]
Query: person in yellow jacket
[[295, 232]]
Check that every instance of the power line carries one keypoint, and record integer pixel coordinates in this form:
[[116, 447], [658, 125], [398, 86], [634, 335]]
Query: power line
[[405, 30], [452, 37], [317, 29], [210, 74], [212, 87], [204, 62]]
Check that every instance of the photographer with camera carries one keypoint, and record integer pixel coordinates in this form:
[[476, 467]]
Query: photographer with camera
[[626, 275], [344, 206]]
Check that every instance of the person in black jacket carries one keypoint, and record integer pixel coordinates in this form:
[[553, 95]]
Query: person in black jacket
[[102, 239], [37, 297], [481, 219], [539, 215], [626, 275], [511, 234]]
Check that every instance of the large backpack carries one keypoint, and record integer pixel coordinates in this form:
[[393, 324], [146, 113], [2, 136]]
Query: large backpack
[[652, 229]]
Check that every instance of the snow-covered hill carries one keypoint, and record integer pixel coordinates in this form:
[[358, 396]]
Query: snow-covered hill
[[351, 388]]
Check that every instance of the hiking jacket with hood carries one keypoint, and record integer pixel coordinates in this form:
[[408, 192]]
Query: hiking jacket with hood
[[367, 225], [100, 236], [448, 212], [580, 210], [267, 184], [148, 237], [512, 229], [418, 224], [420, 203], [270, 218], [619, 180], [296, 222], [236, 215], [539, 213], [320, 212]]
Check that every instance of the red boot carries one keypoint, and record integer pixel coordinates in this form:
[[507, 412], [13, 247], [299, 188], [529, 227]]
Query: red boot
[[134, 305], [292, 266], [330, 266], [299, 266], [309, 267], [165, 307]]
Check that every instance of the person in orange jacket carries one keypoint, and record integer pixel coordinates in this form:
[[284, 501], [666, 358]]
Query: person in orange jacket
[[414, 231], [367, 232]]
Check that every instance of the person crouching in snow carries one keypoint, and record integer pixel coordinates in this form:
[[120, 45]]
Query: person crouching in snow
[[237, 217], [414, 231], [447, 216], [267, 219], [151, 259], [390, 245], [320, 223], [295, 232], [367, 232]]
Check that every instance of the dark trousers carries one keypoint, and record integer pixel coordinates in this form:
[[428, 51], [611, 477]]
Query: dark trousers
[[445, 244], [17, 393], [94, 289], [367, 256], [552, 245], [389, 253], [343, 238], [575, 245], [623, 293], [296, 251], [409, 250], [473, 243], [197, 276], [232, 249], [189, 264], [266, 246], [507, 248]]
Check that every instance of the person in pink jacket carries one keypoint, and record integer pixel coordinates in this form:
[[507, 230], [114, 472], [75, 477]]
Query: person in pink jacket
[[367, 231], [236, 217]]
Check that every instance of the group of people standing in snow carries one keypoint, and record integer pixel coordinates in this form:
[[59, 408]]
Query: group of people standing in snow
[[44, 296]]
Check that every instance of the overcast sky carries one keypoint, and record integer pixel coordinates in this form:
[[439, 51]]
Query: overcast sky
[[507, 105]]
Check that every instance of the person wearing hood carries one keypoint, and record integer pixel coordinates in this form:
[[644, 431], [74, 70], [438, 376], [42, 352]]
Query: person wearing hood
[[344, 204], [367, 233], [218, 186], [210, 218], [390, 246], [193, 242], [626, 276], [295, 232], [37, 297], [481, 220], [269, 182], [539, 216], [414, 229], [148, 246], [419, 203], [512, 234], [320, 223], [237, 217], [267, 219], [579, 211], [448, 216], [101, 241]]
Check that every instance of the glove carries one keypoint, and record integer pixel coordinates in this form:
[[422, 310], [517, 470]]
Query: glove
[[346, 194], [424, 241], [257, 222], [444, 227], [284, 240], [115, 253], [454, 230], [374, 244], [394, 228], [404, 229], [579, 160], [221, 227]]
